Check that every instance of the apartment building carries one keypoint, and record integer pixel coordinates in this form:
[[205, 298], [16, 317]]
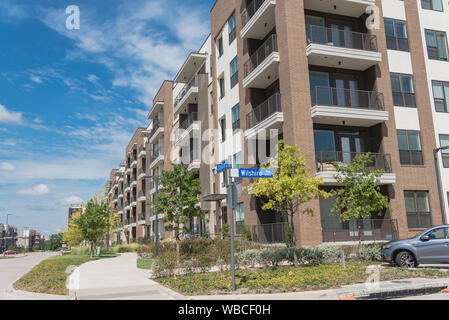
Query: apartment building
[[338, 78], [8, 236]]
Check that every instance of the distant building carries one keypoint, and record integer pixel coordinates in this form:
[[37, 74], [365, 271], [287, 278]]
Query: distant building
[[74, 209], [25, 238], [8, 234]]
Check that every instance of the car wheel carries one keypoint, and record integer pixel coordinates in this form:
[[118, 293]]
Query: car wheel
[[406, 259]]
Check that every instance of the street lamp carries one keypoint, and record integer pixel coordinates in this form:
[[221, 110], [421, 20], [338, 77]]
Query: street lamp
[[437, 169], [6, 230], [156, 228]]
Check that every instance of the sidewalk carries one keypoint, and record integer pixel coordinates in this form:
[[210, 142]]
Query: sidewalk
[[117, 278]]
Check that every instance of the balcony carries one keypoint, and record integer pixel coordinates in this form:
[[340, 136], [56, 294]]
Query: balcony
[[326, 160], [188, 95], [157, 131], [262, 68], [157, 107], [133, 201], [351, 8], [142, 152], [141, 219], [189, 124], [156, 158], [133, 181], [266, 116], [134, 161], [258, 18], [336, 48], [142, 173], [142, 196], [336, 106]]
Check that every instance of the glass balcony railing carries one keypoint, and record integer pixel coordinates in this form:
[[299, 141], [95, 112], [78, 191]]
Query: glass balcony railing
[[341, 38], [189, 120], [267, 48], [264, 110], [347, 98], [326, 160], [251, 10], [192, 84]]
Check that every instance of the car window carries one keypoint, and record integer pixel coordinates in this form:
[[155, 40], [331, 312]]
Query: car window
[[436, 234]]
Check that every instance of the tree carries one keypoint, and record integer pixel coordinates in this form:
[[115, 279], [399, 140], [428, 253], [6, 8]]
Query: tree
[[73, 236], [55, 242], [292, 186], [178, 198], [360, 196], [95, 219]]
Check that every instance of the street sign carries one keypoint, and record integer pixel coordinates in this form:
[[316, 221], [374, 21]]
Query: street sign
[[252, 173], [222, 167]]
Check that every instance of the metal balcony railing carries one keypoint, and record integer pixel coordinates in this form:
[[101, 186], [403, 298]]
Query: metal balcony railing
[[251, 10], [341, 38], [156, 153], [142, 148], [191, 84], [157, 124], [189, 120], [269, 233], [326, 160], [360, 229], [268, 47], [264, 110], [142, 194], [347, 98]]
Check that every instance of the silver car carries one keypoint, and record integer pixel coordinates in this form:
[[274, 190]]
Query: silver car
[[430, 246]]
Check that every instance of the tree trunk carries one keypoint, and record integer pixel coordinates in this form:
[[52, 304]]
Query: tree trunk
[[295, 256]]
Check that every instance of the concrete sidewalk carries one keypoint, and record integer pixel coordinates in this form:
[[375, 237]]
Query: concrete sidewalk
[[117, 278]]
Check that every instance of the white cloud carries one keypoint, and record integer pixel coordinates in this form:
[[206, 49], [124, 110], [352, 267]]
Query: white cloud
[[7, 116], [72, 200], [39, 190], [92, 78], [35, 79], [6, 166]]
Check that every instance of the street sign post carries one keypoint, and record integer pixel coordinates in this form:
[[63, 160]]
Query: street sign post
[[233, 197]]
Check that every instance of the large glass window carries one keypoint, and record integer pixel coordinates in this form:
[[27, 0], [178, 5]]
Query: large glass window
[[239, 218], [444, 142], [436, 5], [403, 90], [324, 145], [237, 160], [236, 117], [234, 72], [417, 207], [410, 149], [396, 32], [319, 86], [441, 96], [232, 29], [436, 45]]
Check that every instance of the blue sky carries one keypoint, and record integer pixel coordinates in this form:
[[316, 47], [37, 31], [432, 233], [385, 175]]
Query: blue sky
[[71, 99]]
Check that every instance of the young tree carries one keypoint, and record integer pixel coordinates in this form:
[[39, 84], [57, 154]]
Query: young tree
[[292, 186], [94, 221], [73, 236], [178, 198], [360, 196]]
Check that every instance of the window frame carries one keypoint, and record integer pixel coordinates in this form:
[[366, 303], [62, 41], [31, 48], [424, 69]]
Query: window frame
[[418, 213], [409, 150], [445, 99], [435, 34], [431, 2], [234, 75], [235, 117], [444, 153], [408, 98], [395, 36]]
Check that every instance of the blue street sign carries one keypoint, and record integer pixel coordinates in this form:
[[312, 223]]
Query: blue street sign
[[222, 167], [256, 173]]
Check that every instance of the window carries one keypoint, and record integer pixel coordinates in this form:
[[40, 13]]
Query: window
[[223, 129], [441, 96], [239, 218], [444, 142], [403, 90], [436, 5], [232, 29], [221, 84], [410, 150], [418, 209], [234, 72], [220, 47], [437, 234], [397, 37], [211, 103], [237, 160], [236, 117], [436, 45]]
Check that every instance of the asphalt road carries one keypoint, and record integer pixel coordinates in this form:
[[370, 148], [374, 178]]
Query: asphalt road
[[12, 269]]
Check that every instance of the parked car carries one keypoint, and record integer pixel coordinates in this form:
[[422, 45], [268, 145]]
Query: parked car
[[8, 252], [430, 246]]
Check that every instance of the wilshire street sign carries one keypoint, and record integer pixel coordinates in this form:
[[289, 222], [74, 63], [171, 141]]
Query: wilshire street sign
[[252, 173]]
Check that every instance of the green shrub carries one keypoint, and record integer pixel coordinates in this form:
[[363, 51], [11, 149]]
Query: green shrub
[[165, 264], [249, 257], [195, 247], [79, 251], [246, 233], [226, 230], [289, 237], [370, 252], [270, 257], [308, 255], [331, 253]]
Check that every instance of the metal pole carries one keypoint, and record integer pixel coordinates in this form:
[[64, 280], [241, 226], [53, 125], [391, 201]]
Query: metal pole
[[6, 231], [156, 180], [230, 206], [437, 170], [109, 220]]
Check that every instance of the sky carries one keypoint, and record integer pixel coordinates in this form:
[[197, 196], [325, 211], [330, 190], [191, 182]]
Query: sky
[[70, 100]]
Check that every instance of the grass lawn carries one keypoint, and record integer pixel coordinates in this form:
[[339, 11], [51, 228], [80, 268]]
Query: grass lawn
[[50, 277], [289, 278], [144, 263]]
